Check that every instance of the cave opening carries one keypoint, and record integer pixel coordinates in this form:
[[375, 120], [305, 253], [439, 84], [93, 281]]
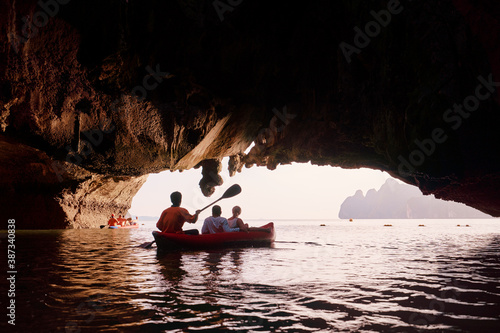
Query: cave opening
[[295, 191], [298, 191]]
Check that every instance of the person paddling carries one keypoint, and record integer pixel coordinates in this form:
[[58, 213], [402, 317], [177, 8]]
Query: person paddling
[[173, 218], [112, 221], [121, 221]]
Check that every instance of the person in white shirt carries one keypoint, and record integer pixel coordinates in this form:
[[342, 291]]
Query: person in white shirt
[[216, 223]]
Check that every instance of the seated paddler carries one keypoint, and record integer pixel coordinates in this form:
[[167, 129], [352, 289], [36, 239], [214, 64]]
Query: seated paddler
[[173, 218], [216, 223]]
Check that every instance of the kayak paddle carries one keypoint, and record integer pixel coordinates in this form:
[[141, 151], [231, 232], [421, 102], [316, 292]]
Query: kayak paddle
[[230, 192]]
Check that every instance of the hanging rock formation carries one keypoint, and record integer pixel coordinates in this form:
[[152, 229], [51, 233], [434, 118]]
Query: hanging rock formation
[[96, 94]]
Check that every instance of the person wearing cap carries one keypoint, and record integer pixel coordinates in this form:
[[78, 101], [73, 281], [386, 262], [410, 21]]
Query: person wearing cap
[[112, 221]]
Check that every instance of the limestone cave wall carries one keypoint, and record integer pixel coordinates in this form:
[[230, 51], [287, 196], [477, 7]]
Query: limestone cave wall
[[96, 94]]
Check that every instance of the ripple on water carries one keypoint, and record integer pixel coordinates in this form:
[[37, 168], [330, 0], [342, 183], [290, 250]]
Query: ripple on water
[[425, 280]]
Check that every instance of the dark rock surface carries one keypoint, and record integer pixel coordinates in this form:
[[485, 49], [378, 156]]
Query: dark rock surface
[[40, 194], [401, 201], [119, 89]]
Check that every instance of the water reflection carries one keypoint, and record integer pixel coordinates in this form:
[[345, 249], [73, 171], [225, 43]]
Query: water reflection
[[462, 292], [402, 281], [204, 290], [101, 281], [171, 267], [36, 279]]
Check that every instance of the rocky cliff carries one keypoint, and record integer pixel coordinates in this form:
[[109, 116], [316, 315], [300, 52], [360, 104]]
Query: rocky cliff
[[96, 94], [401, 201]]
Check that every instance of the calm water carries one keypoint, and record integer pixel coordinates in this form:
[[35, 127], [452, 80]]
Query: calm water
[[346, 276]]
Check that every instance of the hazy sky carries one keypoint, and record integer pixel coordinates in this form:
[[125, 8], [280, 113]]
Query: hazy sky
[[297, 191]]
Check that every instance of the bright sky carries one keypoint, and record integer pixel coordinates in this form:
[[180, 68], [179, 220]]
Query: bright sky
[[297, 191]]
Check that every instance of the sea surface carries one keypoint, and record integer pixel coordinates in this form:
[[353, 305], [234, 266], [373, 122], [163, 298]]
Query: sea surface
[[358, 276]]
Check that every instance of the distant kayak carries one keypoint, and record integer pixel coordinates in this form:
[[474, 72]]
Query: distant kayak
[[171, 241], [133, 226]]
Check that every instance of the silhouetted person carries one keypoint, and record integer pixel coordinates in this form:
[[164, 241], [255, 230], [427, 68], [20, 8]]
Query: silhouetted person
[[216, 223], [235, 222], [112, 221], [173, 218]]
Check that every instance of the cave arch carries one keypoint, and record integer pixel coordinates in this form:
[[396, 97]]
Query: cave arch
[[212, 87]]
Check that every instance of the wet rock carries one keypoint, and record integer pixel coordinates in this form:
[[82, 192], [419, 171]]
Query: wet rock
[[121, 89]]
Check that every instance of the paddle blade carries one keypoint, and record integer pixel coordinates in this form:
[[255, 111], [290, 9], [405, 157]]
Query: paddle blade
[[232, 191], [146, 245]]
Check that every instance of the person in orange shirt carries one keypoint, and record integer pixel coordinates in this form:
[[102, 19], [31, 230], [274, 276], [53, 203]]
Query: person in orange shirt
[[173, 218], [121, 221], [112, 221]]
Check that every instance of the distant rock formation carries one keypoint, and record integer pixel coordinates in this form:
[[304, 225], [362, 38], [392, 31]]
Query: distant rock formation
[[401, 201]]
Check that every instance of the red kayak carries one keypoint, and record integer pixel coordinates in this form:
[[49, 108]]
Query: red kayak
[[133, 226], [171, 241]]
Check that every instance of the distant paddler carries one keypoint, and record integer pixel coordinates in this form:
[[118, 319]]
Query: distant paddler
[[112, 221], [121, 221], [132, 222]]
